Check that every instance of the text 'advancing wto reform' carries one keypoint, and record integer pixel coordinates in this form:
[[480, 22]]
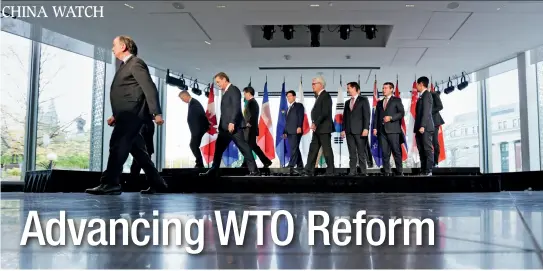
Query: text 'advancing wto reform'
[[230, 226]]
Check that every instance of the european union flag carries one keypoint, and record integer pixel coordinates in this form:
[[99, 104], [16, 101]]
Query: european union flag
[[376, 150], [281, 144]]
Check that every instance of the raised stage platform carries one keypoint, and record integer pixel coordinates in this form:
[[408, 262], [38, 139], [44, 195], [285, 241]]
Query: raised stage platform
[[444, 180]]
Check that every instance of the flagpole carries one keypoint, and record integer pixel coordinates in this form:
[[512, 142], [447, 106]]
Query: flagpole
[[341, 126]]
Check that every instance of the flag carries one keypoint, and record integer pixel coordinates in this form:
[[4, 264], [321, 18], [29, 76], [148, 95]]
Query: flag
[[440, 139], [208, 141], [413, 152], [281, 144], [231, 154], [404, 145], [304, 141], [305, 128], [376, 150], [265, 138], [340, 105]]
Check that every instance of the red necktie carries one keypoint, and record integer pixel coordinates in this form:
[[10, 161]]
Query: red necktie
[[385, 104]]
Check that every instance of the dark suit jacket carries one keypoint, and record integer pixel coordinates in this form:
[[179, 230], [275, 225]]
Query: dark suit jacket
[[231, 109], [133, 93], [438, 106], [423, 117], [196, 118], [295, 118], [395, 110], [321, 114], [358, 119], [250, 113]]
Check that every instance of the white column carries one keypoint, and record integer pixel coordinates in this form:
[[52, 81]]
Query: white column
[[529, 123]]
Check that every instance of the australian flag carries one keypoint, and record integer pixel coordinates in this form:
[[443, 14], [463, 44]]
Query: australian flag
[[376, 150]]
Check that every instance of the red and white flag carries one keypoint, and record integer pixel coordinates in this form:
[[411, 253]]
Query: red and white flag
[[404, 145], [440, 139], [306, 129], [208, 141], [413, 151]]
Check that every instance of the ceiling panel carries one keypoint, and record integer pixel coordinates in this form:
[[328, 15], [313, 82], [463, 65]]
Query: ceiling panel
[[443, 25], [408, 56]]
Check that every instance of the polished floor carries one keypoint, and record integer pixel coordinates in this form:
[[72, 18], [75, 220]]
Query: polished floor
[[486, 230]]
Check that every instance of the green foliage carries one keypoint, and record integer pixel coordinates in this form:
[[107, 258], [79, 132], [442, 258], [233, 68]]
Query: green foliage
[[14, 172]]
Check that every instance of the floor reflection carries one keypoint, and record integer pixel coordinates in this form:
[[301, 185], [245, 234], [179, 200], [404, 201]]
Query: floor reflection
[[501, 230]]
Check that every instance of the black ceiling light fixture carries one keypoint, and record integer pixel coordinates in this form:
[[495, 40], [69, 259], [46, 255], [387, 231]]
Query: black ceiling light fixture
[[268, 31], [437, 88], [463, 82], [315, 35], [345, 32], [288, 31], [174, 81], [196, 89], [449, 88], [206, 91], [371, 31]]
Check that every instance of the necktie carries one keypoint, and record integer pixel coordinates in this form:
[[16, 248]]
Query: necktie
[[385, 104], [352, 103]]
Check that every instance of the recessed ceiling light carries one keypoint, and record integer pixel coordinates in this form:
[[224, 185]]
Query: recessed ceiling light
[[498, 8], [198, 68], [409, 6], [128, 5], [207, 42], [314, 5], [221, 6]]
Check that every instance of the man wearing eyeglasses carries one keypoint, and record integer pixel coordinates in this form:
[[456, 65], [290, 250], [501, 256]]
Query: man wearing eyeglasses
[[322, 127]]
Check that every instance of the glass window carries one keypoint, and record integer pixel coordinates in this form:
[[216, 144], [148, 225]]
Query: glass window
[[518, 156], [504, 156], [65, 109], [503, 102], [178, 153], [459, 112], [14, 78]]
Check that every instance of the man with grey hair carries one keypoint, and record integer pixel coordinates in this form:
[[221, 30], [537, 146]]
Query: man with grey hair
[[198, 125], [322, 127]]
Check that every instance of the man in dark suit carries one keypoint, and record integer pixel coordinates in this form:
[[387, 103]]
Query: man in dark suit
[[424, 127], [148, 133], [438, 121], [294, 130], [133, 98], [356, 125], [322, 126], [250, 114], [198, 125], [388, 128], [230, 127]]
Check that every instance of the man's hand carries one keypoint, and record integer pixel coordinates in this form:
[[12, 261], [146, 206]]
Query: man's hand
[[313, 127], [342, 134], [248, 125], [421, 130], [299, 130], [230, 127], [387, 119], [111, 121], [365, 132], [375, 132], [284, 135], [159, 120]]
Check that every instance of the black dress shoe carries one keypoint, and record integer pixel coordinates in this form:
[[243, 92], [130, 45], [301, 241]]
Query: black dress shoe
[[426, 174], [148, 191], [199, 166], [399, 174], [254, 173], [388, 174], [363, 174], [329, 174], [105, 189], [267, 164], [210, 173]]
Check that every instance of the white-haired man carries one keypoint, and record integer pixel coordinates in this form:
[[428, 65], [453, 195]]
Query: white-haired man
[[322, 126]]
